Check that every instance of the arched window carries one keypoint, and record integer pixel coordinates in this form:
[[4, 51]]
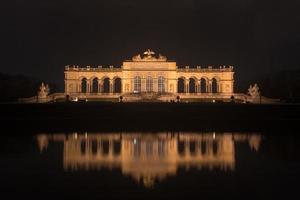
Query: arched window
[[180, 85], [106, 85], [161, 84], [137, 84], [117, 85], [95, 85], [84, 85], [149, 84], [203, 85], [214, 86], [192, 86]]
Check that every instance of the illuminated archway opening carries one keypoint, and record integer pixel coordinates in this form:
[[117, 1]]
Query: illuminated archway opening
[[95, 85], [117, 85], [214, 86], [192, 85], [180, 85], [106, 85], [203, 85]]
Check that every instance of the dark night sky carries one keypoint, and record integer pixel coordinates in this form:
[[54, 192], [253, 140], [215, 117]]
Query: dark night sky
[[40, 37]]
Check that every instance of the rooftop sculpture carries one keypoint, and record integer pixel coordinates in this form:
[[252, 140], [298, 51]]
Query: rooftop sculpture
[[149, 56]]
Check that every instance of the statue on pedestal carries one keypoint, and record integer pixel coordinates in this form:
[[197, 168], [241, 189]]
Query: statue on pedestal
[[137, 57], [253, 91], [149, 53], [44, 91]]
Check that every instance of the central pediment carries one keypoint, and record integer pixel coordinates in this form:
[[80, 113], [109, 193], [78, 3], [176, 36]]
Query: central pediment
[[149, 61], [149, 56]]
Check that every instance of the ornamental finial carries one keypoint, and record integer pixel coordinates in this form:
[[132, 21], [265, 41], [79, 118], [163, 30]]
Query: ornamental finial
[[149, 53]]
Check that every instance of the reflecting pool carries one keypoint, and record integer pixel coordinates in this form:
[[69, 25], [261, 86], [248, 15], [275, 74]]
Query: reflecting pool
[[150, 165]]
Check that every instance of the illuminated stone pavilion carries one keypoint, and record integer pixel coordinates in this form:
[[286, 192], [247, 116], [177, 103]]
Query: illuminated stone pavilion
[[149, 77]]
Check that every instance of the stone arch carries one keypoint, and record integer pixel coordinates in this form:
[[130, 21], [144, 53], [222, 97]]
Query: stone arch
[[204, 85], [215, 85], [181, 85], [192, 85], [84, 85], [95, 85], [105, 85], [117, 85]]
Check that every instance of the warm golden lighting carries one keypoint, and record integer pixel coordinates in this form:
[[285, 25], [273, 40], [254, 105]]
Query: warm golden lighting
[[149, 157]]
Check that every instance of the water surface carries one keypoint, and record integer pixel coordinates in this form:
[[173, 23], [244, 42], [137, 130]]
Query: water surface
[[150, 165]]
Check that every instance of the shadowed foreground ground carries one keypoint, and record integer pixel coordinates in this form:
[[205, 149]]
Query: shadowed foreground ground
[[149, 117]]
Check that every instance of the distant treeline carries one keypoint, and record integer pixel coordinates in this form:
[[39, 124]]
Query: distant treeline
[[283, 85], [13, 87]]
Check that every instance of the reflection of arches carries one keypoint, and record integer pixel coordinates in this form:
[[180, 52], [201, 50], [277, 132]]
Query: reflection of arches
[[180, 85], [95, 85], [117, 85], [137, 84], [192, 85], [203, 85], [84, 85], [105, 147], [117, 147], [106, 85], [192, 147], [180, 147], [214, 85], [161, 84], [83, 147], [94, 145], [149, 84]]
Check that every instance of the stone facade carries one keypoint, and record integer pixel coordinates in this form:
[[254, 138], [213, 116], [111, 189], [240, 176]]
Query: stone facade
[[149, 74]]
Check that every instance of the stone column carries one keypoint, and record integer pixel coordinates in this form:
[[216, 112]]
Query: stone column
[[88, 87], [99, 87], [187, 148], [143, 85], [111, 86], [187, 88], [111, 148]]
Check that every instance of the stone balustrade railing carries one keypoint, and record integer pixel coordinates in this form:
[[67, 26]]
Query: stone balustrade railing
[[179, 69]]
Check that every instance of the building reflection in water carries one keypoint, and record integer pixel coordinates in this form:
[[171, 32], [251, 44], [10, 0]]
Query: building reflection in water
[[149, 157]]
